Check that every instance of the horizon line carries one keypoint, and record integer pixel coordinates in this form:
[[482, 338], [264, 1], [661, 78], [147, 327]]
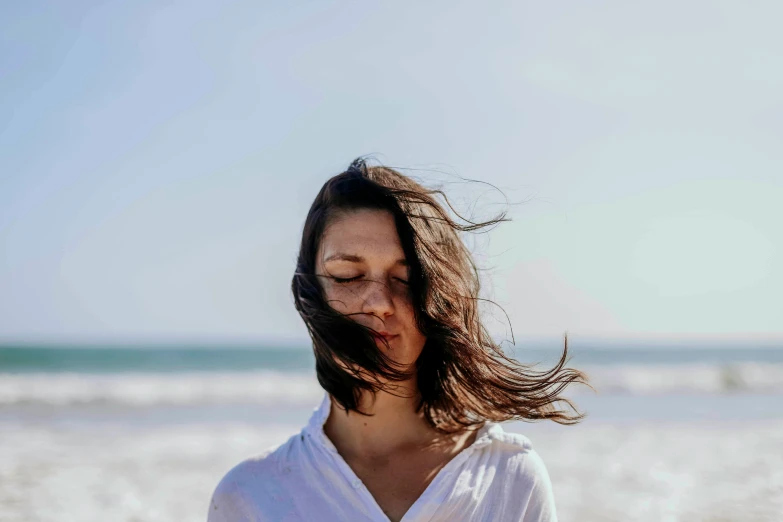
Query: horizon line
[[754, 340]]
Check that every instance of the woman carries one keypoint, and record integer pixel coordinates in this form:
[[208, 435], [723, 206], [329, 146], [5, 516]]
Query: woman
[[415, 386]]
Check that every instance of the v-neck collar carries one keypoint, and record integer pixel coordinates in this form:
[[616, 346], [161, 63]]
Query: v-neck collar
[[416, 512]]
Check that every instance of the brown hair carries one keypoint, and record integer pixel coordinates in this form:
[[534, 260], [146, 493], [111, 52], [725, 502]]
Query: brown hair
[[463, 376]]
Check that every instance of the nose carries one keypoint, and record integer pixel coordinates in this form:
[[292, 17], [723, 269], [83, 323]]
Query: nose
[[377, 300]]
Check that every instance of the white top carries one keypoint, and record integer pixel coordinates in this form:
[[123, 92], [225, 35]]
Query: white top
[[497, 478]]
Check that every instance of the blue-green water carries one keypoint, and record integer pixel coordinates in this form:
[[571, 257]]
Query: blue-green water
[[118, 359], [17, 359], [35, 377], [150, 383]]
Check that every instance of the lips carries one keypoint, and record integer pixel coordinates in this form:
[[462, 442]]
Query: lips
[[385, 335]]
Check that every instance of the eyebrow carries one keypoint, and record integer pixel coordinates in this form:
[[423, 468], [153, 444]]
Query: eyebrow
[[352, 258]]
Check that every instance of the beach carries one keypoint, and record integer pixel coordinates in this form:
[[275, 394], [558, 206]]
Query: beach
[[703, 444]]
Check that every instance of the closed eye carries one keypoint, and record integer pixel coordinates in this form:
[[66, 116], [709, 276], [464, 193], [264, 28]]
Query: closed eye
[[345, 279]]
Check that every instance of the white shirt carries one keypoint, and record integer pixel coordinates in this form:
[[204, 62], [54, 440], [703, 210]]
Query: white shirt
[[497, 478]]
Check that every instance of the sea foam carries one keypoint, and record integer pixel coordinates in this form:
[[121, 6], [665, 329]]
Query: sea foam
[[302, 388]]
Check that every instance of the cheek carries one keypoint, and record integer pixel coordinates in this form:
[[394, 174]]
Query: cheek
[[341, 298], [418, 340], [408, 318], [404, 310]]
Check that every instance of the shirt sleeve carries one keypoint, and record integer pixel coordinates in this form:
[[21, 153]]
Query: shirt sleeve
[[227, 503], [541, 503]]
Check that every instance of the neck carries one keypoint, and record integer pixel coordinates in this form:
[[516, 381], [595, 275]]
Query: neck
[[393, 423]]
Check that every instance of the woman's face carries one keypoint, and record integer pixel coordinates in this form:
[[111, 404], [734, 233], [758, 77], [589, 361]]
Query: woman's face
[[367, 275]]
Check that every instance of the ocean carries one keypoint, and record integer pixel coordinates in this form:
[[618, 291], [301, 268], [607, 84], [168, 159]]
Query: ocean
[[144, 433]]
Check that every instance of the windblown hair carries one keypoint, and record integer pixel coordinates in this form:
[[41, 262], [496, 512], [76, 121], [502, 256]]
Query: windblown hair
[[463, 376]]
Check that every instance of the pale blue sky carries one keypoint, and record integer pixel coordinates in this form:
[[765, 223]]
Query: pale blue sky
[[157, 161]]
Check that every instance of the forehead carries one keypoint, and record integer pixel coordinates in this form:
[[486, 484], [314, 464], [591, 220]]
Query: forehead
[[364, 232]]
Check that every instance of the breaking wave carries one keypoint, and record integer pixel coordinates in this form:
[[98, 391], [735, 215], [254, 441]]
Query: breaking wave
[[282, 389]]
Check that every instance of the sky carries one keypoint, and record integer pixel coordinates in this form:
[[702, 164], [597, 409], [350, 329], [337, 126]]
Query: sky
[[157, 159]]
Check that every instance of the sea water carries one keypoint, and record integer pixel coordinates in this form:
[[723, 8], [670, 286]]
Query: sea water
[[144, 433]]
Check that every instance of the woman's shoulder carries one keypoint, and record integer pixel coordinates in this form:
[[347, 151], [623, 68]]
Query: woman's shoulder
[[517, 453], [250, 484], [507, 443], [523, 469]]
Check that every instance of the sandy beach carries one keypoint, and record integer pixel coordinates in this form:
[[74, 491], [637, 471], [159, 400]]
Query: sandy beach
[[603, 470], [661, 442]]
